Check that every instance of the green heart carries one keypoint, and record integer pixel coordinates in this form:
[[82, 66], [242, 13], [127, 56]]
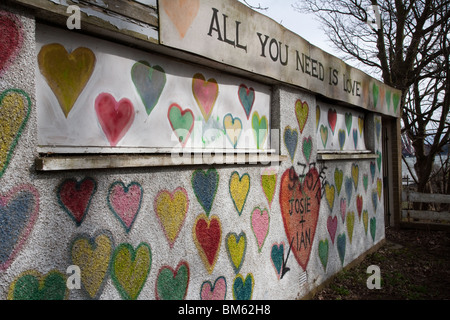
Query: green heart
[[323, 253], [31, 285], [379, 159], [130, 269], [260, 128], [338, 179], [324, 135], [396, 101], [173, 285], [348, 122], [182, 122], [365, 181], [375, 92], [388, 99], [307, 148], [373, 227]]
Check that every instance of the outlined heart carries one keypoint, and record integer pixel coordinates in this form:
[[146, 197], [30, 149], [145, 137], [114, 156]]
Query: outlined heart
[[181, 12], [243, 289], [260, 225], [66, 73], [125, 202], [205, 186], [260, 127], [269, 183], [239, 188], [149, 82], [130, 269], [15, 109], [171, 209], [75, 197], [301, 112], [19, 209], [236, 246], [324, 135], [182, 122], [172, 284], [92, 255], [207, 234], [300, 207], [233, 128], [291, 141], [205, 93], [247, 99], [114, 117], [11, 39], [216, 291], [307, 148], [33, 285]]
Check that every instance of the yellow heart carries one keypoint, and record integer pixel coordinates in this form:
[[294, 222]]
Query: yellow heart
[[130, 269], [379, 188], [361, 125], [236, 249], [355, 175], [14, 114], [239, 188], [92, 257], [233, 128], [171, 209], [366, 220], [301, 111], [66, 74], [329, 193]]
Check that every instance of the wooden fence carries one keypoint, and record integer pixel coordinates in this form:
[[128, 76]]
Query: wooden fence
[[431, 215]]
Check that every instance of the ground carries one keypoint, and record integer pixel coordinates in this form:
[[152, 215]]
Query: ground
[[414, 265]]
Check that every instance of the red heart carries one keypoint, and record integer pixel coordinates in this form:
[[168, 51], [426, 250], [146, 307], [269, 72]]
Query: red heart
[[10, 39], [359, 205], [207, 236], [115, 118], [332, 227], [300, 205], [332, 118], [75, 197]]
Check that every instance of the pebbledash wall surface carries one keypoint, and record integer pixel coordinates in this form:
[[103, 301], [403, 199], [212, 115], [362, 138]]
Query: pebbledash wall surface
[[180, 150]]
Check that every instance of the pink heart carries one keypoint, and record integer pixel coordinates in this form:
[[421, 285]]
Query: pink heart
[[205, 93], [332, 227], [343, 208], [115, 117], [260, 225], [217, 291], [125, 202], [11, 39]]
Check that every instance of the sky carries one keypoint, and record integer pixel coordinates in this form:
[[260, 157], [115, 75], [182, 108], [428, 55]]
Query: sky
[[305, 25]]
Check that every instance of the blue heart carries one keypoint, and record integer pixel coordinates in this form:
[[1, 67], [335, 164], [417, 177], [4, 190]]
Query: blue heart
[[341, 139], [247, 98], [355, 137], [375, 200], [341, 244], [277, 256], [242, 289], [291, 141], [13, 219], [349, 188], [205, 187], [149, 82], [372, 170]]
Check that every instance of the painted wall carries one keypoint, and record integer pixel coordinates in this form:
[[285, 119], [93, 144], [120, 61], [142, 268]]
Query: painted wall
[[179, 232]]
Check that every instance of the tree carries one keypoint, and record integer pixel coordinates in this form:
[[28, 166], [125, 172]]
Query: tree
[[408, 51]]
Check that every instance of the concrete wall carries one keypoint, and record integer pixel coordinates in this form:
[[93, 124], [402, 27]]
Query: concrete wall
[[178, 232]]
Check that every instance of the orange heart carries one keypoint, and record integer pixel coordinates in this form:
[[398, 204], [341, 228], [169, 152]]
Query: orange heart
[[66, 73], [181, 12]]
